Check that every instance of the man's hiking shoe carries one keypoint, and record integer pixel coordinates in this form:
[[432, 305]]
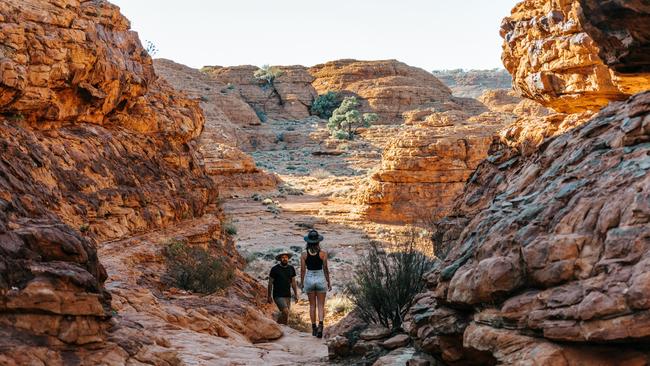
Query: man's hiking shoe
[[314, 330], [319, 333]]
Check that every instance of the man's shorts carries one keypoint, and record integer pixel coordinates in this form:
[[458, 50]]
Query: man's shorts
[[283, 303]]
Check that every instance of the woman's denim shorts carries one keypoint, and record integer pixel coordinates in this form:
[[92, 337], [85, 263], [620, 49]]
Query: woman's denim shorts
[[315, 281]]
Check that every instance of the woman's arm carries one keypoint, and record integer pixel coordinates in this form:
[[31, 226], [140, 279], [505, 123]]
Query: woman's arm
[[326, 269], [302, 269]]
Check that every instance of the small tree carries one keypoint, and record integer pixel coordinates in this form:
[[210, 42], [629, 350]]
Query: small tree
[[151, 48], [324, 105], [346, 119], [267, 74], [384, 284]]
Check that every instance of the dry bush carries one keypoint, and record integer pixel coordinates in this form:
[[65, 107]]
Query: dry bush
[[195, 269], [386, 281]]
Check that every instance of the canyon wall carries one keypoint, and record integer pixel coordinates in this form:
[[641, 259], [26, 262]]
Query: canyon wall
[[389, 88], [554, 60], [231, 127], [545, 255], [289, 95], [96, 148]]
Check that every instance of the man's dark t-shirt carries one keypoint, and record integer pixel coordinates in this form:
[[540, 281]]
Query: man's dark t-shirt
[[282, 280]]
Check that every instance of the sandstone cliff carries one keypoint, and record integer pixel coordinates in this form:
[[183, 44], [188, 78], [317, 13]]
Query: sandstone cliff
[[550, 51], [389, 88], [544, 256], [231, 126], [94, 148], [289, 96]]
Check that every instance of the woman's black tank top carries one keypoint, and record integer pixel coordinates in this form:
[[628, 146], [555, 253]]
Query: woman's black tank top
[[314, 262]]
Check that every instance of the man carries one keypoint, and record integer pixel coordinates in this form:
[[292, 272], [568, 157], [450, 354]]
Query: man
[[281, 279]]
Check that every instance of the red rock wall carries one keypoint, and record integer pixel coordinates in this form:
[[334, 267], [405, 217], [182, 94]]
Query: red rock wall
[[93, 147], [549, 240]]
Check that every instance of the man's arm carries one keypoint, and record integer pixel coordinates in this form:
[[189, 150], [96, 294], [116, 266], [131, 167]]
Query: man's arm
[[295, 288], [269, 297]]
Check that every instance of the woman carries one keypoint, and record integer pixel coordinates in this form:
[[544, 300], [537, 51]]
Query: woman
[[315, 279]]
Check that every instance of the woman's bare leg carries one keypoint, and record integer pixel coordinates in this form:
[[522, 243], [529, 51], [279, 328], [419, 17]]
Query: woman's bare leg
[[321, 306], [312, 306]]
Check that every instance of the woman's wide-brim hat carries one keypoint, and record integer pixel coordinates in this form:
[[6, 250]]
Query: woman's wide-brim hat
[[277, 257], [313, 237]]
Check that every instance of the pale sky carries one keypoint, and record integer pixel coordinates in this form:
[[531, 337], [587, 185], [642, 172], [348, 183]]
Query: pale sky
[[431, 34]]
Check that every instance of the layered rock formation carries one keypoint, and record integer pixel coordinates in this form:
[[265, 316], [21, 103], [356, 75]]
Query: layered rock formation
[[550, 50], [94, 147], [558, 255], [545, 256], [473, 83], [426, 165], [389, 88], [289, 96], [231, 126]]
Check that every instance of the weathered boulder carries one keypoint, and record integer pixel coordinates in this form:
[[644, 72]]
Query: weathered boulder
[[621, 28], [554, 59]]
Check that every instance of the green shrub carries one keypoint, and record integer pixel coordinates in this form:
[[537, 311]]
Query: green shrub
[[267, 74], [195, 269], [230, 228], [346, 119], [325, 104], [385, 282]]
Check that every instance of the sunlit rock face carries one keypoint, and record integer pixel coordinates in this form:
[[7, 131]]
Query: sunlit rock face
[[549, 240], [550, 50], [290, 95], [94, 147], [389, 88]]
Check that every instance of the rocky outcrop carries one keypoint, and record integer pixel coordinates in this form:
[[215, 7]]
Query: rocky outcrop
[[94, 148], [559, 254], [289, 96], [389, 88], [230, 126], [550, 49], [426, 165], [473, 83]]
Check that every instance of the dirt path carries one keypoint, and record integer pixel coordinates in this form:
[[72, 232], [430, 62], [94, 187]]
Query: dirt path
[[318, 178]]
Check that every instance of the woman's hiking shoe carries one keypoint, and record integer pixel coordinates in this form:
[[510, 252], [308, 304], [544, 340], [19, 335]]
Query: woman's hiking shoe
[[314, 330], [319, 333]]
